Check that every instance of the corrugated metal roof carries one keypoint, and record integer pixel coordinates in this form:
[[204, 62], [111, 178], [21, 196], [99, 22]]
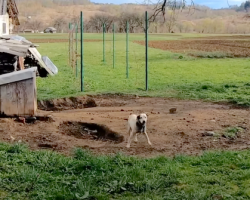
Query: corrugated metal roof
[[3, 7]]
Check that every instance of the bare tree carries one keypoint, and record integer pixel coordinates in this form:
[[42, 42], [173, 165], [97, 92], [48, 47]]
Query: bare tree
[[135, 21], [87, 26], [171, 20], [97, 22], [59, 23], [162, 5], [35, 24]]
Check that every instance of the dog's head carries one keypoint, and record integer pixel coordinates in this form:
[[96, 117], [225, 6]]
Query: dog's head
[[142, 118]]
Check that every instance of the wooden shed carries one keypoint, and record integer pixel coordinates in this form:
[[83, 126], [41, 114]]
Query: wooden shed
[[18, 94]]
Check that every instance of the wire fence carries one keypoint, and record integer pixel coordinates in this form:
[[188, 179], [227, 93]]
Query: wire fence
[[78, 28]]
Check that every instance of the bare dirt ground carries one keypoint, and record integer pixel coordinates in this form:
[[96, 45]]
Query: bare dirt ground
[[171, 134], [233, 46]]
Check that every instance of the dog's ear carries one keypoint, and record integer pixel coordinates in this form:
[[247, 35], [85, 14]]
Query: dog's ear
[[138, 117]]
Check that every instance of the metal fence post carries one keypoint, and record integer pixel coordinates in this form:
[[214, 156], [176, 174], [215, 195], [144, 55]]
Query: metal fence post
[[146, 45], [76, 52], [104, 42], [127, 70], [113, 45], [82, 64]]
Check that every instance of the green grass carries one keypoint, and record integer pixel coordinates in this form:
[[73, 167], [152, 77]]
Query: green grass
[[28, 174], [170, 75], [232, 132]]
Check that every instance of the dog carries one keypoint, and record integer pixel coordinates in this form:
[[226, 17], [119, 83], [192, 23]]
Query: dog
[[137, 124]]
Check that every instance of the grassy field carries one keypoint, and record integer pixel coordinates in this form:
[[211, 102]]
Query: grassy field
[[28, 174], [169, 74]]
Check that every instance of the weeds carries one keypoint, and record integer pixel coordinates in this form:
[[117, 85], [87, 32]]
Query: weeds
[[232, 132]]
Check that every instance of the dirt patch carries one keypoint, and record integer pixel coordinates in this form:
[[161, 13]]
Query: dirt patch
[[50, 40], [170, 134], [233, 47], [92, 131], [223, 37], [67, 103]]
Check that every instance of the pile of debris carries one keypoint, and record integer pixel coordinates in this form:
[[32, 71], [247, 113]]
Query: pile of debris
[[17, 53]]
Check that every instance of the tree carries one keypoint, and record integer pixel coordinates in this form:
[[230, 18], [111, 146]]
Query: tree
[[171, 21], [173, 5], [97, 22], [35, 24], [135, 21], [247, 6], [59, 23]]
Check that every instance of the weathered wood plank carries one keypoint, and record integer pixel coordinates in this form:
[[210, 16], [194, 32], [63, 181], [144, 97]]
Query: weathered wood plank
[[7, 50], [18, 93], [18, 98], [38, 56], [9, 99], [21, 63], [15, 45], [18, 76], [35, 93], [25, 97]]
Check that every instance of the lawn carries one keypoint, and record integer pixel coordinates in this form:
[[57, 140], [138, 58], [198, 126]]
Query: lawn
[[170, 75], [26, 174]]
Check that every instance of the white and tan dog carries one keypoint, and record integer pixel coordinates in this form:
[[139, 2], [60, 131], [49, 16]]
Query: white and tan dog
[[137, 124]]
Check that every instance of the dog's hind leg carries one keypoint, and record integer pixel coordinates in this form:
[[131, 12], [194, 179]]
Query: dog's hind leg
[[147, 138]]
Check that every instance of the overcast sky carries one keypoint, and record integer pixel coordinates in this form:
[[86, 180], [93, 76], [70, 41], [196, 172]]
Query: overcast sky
[[210, 3]]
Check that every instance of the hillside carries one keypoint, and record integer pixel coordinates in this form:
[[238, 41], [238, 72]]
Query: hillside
[[37, 15]]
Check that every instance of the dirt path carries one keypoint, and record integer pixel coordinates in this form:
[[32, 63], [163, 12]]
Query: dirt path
[[171, 134]]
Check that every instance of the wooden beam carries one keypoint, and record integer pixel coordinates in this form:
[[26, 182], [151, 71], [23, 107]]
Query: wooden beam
[[4, 49], [38, 56]]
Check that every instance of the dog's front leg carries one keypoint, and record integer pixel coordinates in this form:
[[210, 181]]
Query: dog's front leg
[[129, 138], [147, 138], [136, 140]]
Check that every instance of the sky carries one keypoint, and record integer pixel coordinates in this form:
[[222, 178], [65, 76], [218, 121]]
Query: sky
[[210, 3]]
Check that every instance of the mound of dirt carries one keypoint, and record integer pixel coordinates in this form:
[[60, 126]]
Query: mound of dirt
[[67, 103], [92, 131]]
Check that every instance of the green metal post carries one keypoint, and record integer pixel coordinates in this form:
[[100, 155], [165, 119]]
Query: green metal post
[[72, 45], [76, 53], [127, 27], [69, 44], [146, 43], [82, 64], [113, 45], [104, 42]]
